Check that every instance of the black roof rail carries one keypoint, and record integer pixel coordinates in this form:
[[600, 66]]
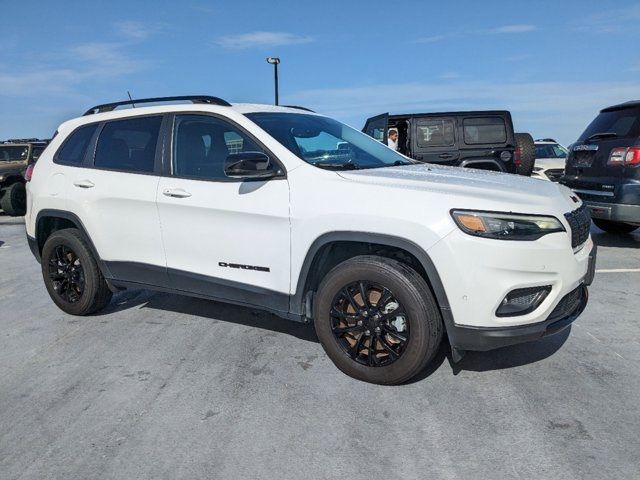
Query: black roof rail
[[207, 99], [299, 108], [25, 140], [545, 140]]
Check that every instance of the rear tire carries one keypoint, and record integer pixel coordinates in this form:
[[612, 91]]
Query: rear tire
[[71, 274], [527, 148], [399, 313], [616, 228], [14, 200]]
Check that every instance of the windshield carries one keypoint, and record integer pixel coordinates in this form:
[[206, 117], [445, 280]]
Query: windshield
[[550, 150], [327, 143], [620, 123], [13, 153]]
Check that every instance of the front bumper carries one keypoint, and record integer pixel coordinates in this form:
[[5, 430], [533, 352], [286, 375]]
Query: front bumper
[[481, 339], [478, 273]]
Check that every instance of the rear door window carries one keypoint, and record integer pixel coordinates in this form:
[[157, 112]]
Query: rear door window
[[75, 147], [435, 132], [129, 145], [484, 130]]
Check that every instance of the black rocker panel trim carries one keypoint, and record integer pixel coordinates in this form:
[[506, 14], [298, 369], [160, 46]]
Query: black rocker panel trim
[[203, 286]]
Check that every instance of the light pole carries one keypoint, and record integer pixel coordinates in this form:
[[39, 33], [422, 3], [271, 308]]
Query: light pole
[[275, 61]]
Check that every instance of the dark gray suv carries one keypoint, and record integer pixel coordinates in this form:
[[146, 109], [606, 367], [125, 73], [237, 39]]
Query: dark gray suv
[[603, 167]]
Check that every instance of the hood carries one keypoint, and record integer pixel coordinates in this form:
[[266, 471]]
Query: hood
[[550, 162], [474, 189]]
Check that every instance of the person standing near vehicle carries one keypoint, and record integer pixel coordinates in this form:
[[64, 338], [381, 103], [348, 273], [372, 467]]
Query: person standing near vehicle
[[392, 139]]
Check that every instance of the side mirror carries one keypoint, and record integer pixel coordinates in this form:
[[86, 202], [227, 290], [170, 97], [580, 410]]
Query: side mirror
[[249, 165]]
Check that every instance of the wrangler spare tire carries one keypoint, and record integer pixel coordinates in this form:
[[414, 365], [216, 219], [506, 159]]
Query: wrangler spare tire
[[527, 149], [14, 200]]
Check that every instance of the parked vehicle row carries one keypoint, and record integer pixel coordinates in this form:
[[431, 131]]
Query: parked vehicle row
[[479, 139], [15, 156], [296, 213]]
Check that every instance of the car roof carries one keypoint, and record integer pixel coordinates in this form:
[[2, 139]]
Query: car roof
[[622, 106], [460, 113], [238, 108]]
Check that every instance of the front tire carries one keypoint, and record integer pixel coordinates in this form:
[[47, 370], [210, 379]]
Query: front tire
[[71, 274], [377, 320], [616, 228]]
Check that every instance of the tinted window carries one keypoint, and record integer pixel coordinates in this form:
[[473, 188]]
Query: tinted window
[[202, 144], [128, 145], [435, 133], [73, 150], [624, 123], [36, 152], [484, 130], [550, 150], [376, 128], [13, 153]]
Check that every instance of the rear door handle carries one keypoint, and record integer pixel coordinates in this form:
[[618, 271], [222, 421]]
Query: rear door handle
[[445, 155], [84, 184], [176, 193]]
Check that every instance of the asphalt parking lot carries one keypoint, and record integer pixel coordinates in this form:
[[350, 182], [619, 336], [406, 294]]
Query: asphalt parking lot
[[162, 386]]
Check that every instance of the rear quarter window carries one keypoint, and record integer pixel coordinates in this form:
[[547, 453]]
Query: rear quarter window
[[74, 148], [484, 130]]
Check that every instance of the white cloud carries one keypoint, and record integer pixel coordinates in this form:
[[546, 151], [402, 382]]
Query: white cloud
[[555, 109], [516, 28], [96, 62], [622, 20], [261, 39], [135, 30], [432, 39]]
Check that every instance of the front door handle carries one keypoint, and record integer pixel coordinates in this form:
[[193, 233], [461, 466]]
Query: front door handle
[[176, 193], [84, 184], [445, 155]]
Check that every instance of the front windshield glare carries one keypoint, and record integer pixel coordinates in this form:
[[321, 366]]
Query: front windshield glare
[[327, 143]]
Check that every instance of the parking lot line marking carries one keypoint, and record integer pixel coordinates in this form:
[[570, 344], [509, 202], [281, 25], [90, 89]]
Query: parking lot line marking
[[618, 270]]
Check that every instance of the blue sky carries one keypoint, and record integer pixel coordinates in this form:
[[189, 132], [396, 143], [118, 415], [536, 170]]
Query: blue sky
[[553, 64]]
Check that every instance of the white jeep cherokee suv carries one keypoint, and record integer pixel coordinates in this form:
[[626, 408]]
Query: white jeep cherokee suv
[[293, 212]]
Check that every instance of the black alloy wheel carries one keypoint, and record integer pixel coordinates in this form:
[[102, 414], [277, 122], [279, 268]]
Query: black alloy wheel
[[66, 274], [369, 323]]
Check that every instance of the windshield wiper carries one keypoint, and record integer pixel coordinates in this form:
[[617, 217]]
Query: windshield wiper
[[337, 166], [602, 135]]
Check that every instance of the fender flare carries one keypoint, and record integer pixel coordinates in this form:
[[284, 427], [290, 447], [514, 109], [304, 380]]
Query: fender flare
[[73, 218], [296, 302]]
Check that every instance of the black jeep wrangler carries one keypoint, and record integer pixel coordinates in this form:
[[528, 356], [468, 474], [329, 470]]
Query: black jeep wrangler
[[480, 139], [15, 156], [603, 168]]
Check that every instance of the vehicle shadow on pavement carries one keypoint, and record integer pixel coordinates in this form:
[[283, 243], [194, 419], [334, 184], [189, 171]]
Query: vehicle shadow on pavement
[[209, 309], [608, 240], [512, 356]]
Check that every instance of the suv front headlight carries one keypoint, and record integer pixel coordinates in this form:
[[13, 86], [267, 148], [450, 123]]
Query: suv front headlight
[[505, 226]]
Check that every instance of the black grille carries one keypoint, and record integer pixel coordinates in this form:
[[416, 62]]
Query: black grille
[[580, 223], [568, 305], [554, 174]]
